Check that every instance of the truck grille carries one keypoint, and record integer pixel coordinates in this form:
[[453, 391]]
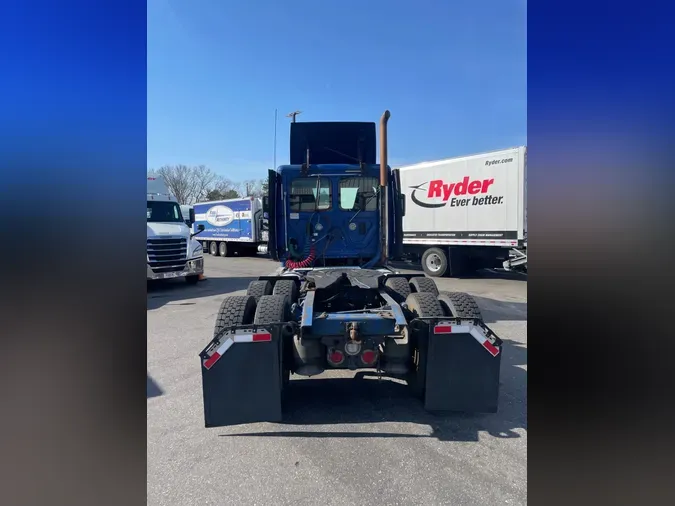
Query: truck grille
[[167, 254]]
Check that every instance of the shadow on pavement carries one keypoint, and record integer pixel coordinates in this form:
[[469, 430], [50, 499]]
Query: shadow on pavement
[[161, 293], [498, 310], [360, 400], [152, 389], [481, 274]]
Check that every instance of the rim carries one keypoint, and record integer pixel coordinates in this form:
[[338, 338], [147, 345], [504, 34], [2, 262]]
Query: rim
[[213, 248], [434, 262]]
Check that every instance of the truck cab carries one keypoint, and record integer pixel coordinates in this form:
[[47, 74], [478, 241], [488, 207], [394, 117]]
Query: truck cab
[[171, 251], [326, 205]]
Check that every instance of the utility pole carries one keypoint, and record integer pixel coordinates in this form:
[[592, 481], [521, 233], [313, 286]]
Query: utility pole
[[293, 115]]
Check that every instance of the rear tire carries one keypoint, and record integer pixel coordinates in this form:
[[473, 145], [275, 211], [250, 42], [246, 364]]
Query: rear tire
[[235, 310], [223, 250], [460, 305], [288, 288], [277, 309], [435, 262], [213, 248], [423, 285], [398, 288], [257, 289], [422, 305]]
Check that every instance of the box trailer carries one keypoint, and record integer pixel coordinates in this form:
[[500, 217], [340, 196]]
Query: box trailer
[[232, 226], [467, 213]]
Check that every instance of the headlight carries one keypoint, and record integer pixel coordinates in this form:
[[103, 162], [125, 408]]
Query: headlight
[[198, 250]]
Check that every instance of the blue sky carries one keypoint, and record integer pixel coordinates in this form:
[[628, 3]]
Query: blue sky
[[452, 73]]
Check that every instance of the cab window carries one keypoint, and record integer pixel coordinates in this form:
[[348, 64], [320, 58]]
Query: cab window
[[310, 194], [358, 193]]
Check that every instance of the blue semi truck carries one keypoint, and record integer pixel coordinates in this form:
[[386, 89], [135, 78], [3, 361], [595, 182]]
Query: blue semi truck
[[233, 226], [334, 221]]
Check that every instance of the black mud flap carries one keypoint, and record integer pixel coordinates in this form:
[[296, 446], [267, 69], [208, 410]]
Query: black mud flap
[[241, 376], [462, 366]]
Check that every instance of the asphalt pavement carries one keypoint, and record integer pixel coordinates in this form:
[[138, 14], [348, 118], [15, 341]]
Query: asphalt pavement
[[344, 440]]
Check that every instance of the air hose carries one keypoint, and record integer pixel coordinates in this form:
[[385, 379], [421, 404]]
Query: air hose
[[307, 262]]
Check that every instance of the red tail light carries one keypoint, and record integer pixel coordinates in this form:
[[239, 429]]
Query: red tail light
[[369, 357], [336, 357]]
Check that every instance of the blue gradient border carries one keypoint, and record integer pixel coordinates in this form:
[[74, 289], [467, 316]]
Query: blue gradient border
[[72, 158], [600, 234]]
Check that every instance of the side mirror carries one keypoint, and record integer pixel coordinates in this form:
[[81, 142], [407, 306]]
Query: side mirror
[[266, 204], [192, 216], [200, 227], [402, 205]]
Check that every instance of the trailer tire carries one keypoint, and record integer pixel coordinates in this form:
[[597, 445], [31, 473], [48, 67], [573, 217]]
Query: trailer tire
[[286, 287], [423, 285], [224, 250], [235, 310], [398, 288], [460, 305], [424, 305], [257, 289], [213, 248], [434, 262], [277, 309]]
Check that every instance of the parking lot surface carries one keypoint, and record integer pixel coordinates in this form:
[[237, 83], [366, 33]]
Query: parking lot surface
[[344, 441]]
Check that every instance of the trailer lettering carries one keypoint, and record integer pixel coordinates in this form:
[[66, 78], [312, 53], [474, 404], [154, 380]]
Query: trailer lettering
[[475, 187], [455, 202], [488, 200], [439, 189]]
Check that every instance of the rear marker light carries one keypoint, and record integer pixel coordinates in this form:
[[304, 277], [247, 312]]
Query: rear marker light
[[262, 337]]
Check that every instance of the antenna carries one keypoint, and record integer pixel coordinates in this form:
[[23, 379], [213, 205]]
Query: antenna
[[293, 115]]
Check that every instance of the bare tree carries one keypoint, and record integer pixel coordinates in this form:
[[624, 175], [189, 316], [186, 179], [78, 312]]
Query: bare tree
[[188, 184], [252, 187]]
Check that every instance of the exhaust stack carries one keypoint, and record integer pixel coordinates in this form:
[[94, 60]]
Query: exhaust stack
[[384, 179]]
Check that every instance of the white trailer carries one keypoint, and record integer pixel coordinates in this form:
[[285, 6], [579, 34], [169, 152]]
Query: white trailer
[[467, 213]]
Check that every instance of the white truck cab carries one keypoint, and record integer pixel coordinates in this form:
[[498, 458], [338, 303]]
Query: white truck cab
[[171, 250]]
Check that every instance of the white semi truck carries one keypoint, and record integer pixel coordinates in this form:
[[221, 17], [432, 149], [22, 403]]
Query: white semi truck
[[170, 249], [467, 213]]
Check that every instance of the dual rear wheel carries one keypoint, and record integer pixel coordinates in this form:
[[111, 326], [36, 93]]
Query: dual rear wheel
[[422, 299]]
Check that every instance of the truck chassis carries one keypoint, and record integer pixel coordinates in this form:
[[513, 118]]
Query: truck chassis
[[306, 321]]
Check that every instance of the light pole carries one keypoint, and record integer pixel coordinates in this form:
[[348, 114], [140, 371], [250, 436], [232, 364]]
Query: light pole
[[293, 115]]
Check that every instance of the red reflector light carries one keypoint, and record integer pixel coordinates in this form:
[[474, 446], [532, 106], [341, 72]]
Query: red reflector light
[[443, 329], [369, 357], [262, 337], [494, 351], [208, 363]]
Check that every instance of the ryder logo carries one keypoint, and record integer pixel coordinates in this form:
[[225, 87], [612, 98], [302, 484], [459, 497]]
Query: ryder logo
[[439, 193]]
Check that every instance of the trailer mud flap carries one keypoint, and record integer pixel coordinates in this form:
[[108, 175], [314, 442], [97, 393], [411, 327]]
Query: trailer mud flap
[[241, 376], [462, 367]]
